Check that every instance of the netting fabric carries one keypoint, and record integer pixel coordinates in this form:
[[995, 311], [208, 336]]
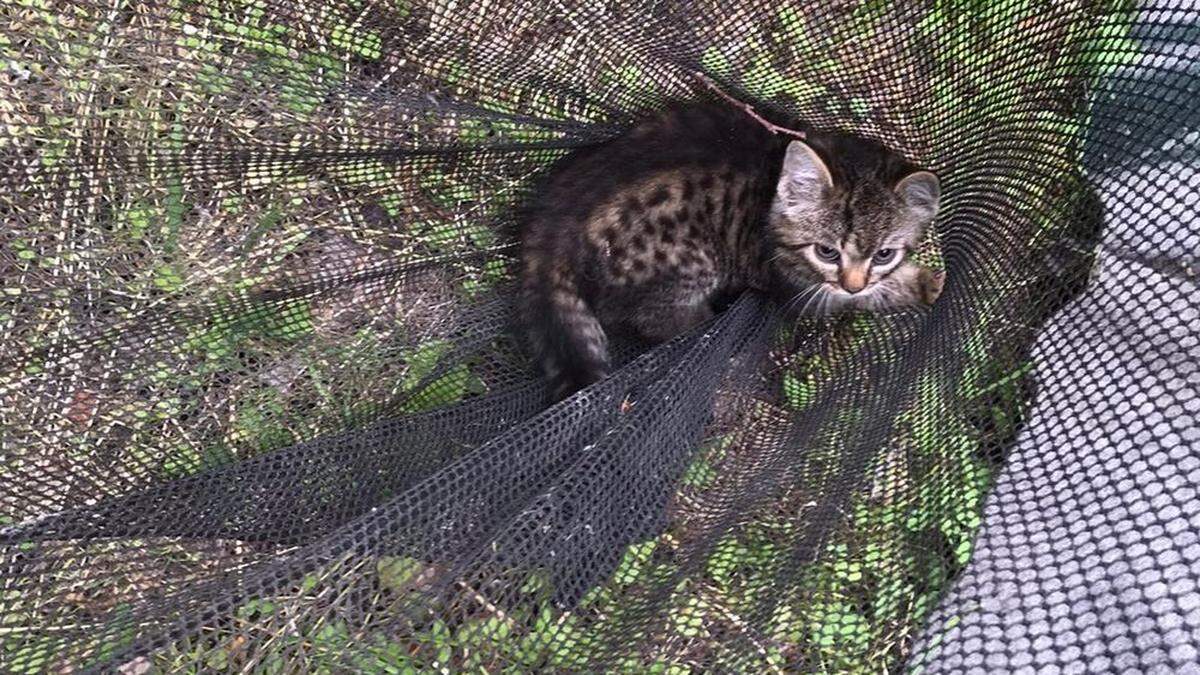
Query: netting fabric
[[262, 408]]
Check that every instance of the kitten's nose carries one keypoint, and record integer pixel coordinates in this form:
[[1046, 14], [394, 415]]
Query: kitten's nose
[[853, 280]]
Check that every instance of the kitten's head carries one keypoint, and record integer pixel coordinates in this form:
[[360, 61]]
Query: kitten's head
[[844, 233]]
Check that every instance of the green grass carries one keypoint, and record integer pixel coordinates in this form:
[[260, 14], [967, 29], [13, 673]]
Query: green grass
[[252, 372]]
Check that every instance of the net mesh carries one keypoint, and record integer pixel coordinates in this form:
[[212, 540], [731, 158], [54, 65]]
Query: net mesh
[[262, 408]]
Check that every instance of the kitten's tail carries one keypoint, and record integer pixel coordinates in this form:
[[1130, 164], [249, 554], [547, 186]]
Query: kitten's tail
[[563, 331]]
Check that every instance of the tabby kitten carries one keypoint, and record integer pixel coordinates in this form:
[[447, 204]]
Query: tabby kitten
[[656, 230]]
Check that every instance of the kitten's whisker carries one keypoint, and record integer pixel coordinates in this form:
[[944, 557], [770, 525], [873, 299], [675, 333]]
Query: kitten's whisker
[[816, 291], [797, 298], [825, 305], [775, 257], [833, 304], [888, 295], [880, 295], [817, 297]]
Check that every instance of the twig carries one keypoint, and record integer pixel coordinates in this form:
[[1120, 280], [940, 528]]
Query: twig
[[746, 107], [749, 632], [486, 604]]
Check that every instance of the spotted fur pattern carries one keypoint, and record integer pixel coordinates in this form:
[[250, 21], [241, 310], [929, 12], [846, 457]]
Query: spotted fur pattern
[[654, 231]]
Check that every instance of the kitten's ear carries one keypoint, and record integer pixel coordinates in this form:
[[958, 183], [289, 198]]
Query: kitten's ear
[[921, 192], [804, 180]]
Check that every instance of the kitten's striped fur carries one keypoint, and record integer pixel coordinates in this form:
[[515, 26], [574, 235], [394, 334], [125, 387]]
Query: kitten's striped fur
[[654, 231]]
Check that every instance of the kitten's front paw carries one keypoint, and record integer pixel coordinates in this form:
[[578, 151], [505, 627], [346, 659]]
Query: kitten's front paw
[[931, 284]]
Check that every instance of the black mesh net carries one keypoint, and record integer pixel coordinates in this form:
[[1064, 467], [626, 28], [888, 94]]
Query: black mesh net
[[262, 408]]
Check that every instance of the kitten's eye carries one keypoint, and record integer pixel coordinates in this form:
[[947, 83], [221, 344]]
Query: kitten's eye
[[826, 253], [884, 256]]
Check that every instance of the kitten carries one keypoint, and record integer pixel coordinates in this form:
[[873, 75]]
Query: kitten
[[657, 230]]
